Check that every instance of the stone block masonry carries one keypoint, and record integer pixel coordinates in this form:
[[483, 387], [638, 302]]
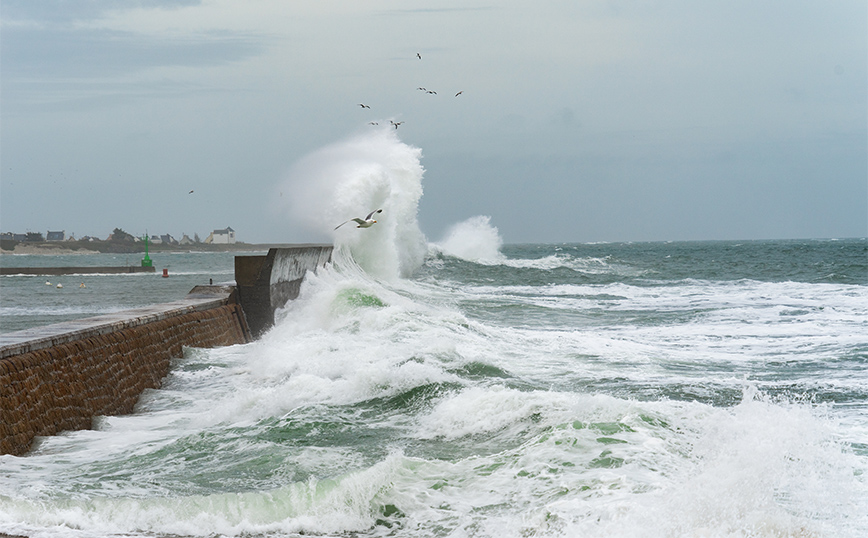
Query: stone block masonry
[[60, 377]]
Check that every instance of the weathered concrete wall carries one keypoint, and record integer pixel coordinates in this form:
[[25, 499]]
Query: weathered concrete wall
[[59, 377], [266, 283]]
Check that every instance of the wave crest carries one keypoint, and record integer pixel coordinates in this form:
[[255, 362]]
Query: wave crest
[[474, 239], [353, 177]]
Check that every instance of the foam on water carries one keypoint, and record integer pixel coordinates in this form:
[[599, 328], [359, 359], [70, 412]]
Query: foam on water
[[350, 179], [572, 406], [376, 407], [474, 239], [478, 240], [606, 467], [49, 310]]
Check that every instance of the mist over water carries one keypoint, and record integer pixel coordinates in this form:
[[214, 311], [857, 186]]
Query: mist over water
[[467, 388]]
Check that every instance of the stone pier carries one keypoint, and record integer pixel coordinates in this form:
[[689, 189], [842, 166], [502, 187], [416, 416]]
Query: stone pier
[[61, 376]]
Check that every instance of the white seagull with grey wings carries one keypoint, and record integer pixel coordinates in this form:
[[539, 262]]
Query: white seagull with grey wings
[[367, 222]]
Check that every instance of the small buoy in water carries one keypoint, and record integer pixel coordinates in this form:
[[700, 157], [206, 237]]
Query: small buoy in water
[[59, 286], [165, 273]]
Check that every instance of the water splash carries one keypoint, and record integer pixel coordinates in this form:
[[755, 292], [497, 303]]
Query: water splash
[[474, 239], [351, 178]]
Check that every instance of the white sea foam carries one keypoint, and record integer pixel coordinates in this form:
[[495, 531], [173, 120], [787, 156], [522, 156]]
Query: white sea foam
[[60, 310], [385, 406], [351, 178], [540, 457], [607, 467], [474, 239], [478, 241]]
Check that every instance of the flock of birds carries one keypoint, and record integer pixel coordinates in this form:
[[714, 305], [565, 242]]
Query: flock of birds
[[369, 220], [395, 124]]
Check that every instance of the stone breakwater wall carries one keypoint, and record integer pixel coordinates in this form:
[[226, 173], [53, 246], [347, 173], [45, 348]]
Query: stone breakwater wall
[[61, 376], [266, 283]]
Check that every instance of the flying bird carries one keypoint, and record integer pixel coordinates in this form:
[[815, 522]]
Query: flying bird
[[396, 124], [191, 192], [363, 105], [459, 93], [373, 123], [367, 222], [421, 88], [418, 55], [432, 91]]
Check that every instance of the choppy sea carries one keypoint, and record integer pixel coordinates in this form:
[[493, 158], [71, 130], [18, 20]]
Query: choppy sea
[[647, 389], [466, 388]]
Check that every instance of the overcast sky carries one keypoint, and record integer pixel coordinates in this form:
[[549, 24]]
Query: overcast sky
[[579, 120]]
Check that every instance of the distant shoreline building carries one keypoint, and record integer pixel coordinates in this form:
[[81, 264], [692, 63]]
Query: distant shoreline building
[[29, 237], [225, 236]]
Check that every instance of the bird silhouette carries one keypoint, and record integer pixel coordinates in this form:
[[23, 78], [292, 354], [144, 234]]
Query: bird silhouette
[[396, 124], [459, 93], [363, 105], [418, 55]]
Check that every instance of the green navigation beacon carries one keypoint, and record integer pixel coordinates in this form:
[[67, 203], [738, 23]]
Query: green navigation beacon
[[146, 261]]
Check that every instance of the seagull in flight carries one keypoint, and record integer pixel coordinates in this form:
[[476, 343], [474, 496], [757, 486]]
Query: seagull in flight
[[363, 105], [396, 124], [367, 222], [423, 89], [459, 93], [418, 55]]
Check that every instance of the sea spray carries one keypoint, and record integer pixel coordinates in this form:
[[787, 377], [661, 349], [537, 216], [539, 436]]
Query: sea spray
[[474, 239], [618, 391], [351, 178]]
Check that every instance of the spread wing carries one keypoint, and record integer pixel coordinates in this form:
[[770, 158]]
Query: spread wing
[[357, 219], [371, 214]]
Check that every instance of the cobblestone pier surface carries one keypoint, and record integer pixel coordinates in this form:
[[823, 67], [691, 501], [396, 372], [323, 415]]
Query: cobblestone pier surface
[[59, 377]]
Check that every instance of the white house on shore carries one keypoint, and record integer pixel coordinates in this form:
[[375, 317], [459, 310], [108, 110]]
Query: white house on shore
[[225, 236]]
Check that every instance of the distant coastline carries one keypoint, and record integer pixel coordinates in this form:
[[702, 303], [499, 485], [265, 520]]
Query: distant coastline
[[64, 248]]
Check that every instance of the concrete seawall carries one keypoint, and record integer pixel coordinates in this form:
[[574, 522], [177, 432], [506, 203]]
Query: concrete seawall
[[61, 376], [266, 283]]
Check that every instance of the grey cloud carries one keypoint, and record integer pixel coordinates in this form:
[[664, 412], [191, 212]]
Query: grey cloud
[[65, 11], [48, 53]]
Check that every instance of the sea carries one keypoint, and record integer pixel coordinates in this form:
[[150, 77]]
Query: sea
[[473, 388]]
